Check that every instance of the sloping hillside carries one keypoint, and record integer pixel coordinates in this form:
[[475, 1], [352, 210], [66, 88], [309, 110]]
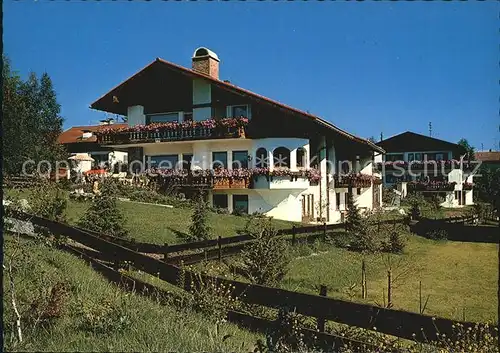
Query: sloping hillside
[[66, 306]]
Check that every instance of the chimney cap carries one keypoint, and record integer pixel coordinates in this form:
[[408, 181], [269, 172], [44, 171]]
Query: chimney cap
[[202, 52]]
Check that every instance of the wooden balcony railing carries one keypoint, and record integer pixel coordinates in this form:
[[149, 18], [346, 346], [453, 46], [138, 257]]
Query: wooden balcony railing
[[354, 180], [209, 182], [431, 186], [180, 134]]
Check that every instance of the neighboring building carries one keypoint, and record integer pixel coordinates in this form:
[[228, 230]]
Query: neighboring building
[[415, 162], [253, 154], [81, 143], [489, 160]]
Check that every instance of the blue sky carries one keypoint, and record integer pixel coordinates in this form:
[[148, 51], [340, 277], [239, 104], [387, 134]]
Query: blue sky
[[367, 67]]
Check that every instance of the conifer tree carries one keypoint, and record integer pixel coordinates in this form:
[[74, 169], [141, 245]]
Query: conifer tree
[[103, 215], [354, 222], [199, 229]]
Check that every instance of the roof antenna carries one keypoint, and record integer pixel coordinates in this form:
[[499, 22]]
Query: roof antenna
[[430, 128], [381, 136], [482, 147]]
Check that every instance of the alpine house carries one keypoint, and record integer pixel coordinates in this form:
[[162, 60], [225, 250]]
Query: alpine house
[[192, 130]]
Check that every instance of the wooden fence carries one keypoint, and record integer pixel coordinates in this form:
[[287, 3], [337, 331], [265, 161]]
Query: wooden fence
[[389, 321], [327, 341], [221, 241]]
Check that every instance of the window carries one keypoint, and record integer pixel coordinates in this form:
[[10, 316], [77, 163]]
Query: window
[[163, 162], [188, 116], [186, 161], [394, 157], [163, 118], [337, 200], [358, 191], [418, 156], [238, 111], [301, 157], [439, 156], [219, 160], [219, 200], [281, 157], [240, 203], [261, 158], [240, 159], [411, 157]]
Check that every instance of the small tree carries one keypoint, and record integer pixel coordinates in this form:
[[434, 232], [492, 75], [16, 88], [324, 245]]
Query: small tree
[[266, 260], [354, 222], [199, 229], [103, 214], [362, 238]]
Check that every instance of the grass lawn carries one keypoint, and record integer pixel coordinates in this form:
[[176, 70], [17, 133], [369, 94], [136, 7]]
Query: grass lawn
[[96, 316], [156, 224], [458, 276]]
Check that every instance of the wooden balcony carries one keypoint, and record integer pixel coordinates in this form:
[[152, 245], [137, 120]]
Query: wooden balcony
[[180, 134], [206, 182], [354, 180], [431, 186]]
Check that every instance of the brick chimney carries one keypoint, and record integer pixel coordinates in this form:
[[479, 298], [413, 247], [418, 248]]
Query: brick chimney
[[206, 62]]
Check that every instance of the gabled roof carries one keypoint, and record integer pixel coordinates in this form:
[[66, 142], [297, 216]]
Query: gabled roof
[[488, 156], [103, 101], [409, 141], [74, 134]]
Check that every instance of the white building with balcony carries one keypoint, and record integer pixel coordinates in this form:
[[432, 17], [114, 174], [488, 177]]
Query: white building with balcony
[[249, 152]]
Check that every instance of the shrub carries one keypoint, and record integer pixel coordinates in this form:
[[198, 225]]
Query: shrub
[[437, 234], [49, 201], [396, 243], [103, 215], [286, 335], [199, 229], [266, 260], [341, 240], [213, 299], [102, 317]]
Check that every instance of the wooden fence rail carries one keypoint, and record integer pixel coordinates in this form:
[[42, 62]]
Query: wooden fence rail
[[389, 321], [172, 248], [329, 342]]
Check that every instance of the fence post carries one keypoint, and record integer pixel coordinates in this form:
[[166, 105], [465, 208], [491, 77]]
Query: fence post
[[320, 322], [116, 262], [293, 236], [165, 252], [363, 279], [219, 245], [389, 289], [324, 231]]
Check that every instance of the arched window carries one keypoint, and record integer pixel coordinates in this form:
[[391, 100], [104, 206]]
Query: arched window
[[301, 157], [281, 157], [261, 158]]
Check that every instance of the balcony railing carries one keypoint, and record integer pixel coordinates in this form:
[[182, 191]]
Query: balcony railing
[[171, 135], [421, 165], [430, 186], [231, 179], [355, 180], [164, 132], [209, 182]]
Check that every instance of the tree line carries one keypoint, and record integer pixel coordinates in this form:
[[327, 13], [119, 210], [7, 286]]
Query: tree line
[[31, 121]]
